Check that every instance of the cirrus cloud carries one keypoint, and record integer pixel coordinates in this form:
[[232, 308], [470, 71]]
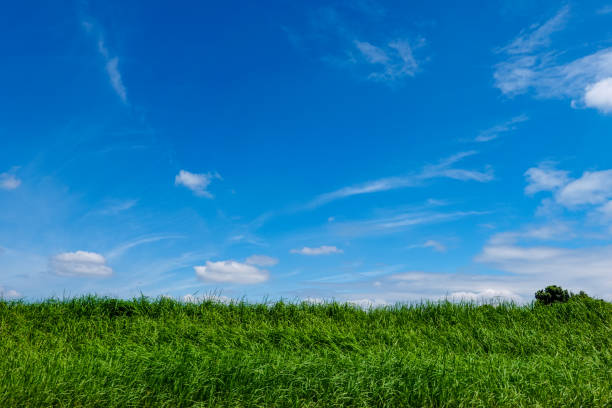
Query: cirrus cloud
[[261, 260], [322, 250]]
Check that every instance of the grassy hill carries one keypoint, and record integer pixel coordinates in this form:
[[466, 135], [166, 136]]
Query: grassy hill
[[111, 353]]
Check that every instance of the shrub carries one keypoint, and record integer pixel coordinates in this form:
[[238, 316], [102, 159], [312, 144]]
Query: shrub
[[553, 294]]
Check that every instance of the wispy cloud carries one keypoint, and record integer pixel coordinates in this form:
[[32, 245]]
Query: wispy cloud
[[336, 31], [322, 250], [496, 131], [115, 207], [532, 65], [123, 248], [397, 222], [231, 272], [9, 181], [261, 260], [605, 9], [111, 62], [80, 263], [538, 35], [396, 59], [443, 169], [198, 183], [435, 245]]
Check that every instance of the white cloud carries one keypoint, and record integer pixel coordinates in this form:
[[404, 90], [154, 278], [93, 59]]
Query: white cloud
[[189, 298], [80, 263], [605, 211], [121, 249], [530, 68], [494, 132], [231, 272], [592, 188], [9, 181], [545, 178], [581, 266], [111, 64], [9, 293], [197, 183], [592, 191], [599, 95], [322, 250], [261, 260], [396, 59], [417, 286], [114, 75], [397, 222], [435, 245], [484, 295], [443, 169], [373, 54], [368, 303], [538, 35], [555, 231], [115, 207]]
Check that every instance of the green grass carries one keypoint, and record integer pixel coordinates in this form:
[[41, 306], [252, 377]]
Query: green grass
[[161, 353]]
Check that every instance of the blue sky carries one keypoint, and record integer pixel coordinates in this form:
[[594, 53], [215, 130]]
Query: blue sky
[[361, 151]]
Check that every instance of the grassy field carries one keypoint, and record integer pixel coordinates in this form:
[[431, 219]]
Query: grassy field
[[162, 353]]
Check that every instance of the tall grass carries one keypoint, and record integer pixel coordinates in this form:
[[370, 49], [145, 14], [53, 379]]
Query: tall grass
[[161, 353]]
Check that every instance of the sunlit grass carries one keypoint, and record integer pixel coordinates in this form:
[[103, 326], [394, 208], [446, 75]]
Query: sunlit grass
[[112, 353]]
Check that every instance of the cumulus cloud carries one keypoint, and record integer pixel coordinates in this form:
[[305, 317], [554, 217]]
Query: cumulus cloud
[[417, 286], [322, 250], [367, 303], [592, 188], [599, 95], [189, 298], [533, 66], [231, 272], [80, 263], [261, 260], [9, 293], [198, 183], [545, 178], [484, 295], [592, 191], [9, 181]]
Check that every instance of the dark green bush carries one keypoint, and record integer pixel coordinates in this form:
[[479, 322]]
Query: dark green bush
[[552, 294], [556, 294]]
